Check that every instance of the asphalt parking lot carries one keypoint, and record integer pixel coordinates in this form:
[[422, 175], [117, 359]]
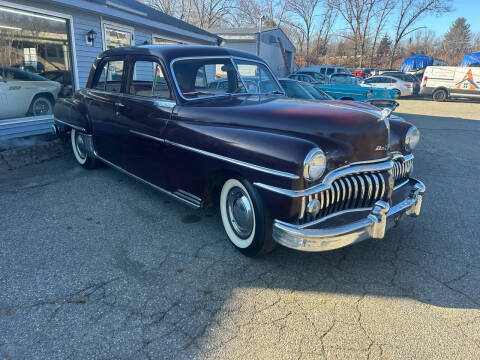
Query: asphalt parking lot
[[94, 265]]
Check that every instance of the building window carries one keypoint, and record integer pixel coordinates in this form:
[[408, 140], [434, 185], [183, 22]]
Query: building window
[[116, 36], [158, 40], [35, 62]]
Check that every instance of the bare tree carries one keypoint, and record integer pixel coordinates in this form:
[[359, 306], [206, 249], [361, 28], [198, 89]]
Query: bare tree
[[211, 13], [305, 11], [409, 12], [324, 30], [358, 15], [249, 11], [383, 10]]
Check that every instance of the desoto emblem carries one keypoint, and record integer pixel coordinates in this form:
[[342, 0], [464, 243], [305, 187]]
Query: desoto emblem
[[381, 148]]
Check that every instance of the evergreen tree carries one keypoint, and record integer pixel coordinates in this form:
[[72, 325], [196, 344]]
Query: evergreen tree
[[458, 40]]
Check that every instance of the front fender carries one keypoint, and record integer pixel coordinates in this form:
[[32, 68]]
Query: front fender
[[197, 151]]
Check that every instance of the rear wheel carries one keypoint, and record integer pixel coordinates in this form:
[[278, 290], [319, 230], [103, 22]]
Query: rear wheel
[[80, 151], [244, 218], [440, 95]]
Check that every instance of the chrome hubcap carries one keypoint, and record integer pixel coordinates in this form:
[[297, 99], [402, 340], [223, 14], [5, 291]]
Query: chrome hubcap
[[240, 212], [80, 145]]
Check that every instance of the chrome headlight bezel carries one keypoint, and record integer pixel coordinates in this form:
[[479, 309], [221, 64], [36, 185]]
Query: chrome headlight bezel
[[412, 137], [314, 165]]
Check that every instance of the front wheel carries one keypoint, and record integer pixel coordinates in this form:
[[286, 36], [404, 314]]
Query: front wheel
[[440, 95], [41, 105], [244, 218], [80, 152], [397, 94]]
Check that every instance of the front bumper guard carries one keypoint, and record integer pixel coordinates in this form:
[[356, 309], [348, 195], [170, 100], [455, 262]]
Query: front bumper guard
[[380, 218]]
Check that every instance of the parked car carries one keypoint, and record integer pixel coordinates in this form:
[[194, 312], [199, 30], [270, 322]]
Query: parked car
[[443, 82], [23, 93], [362, 72], [325, 70], [301, 77], [347, 87], [405, 77], [299, 173], [305, 91], [64, 77], [308, 76], [400, 87]]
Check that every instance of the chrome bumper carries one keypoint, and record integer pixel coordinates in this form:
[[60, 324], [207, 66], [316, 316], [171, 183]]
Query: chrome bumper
[[380, 218]]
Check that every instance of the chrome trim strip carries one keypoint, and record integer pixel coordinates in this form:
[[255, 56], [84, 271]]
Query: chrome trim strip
[[186, 193], [353, 168], [323, 219], [166, 192], [146, 136], [72, 126], [236, 162], [400, 185]]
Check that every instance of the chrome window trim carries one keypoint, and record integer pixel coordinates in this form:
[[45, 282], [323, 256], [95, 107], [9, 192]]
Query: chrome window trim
[[79, 128], [236, 162], [353, 168], [232, 58]]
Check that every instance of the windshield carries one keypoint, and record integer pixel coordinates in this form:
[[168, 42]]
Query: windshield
[[316, 76], [199, 78], [295, 90], [343, 79], [316, 93]]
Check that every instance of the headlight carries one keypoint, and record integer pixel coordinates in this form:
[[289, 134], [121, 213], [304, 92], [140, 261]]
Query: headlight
[[412, 138], [369, 94], [314, 164]]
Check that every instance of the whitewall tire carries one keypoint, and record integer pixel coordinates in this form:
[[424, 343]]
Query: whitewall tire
[[80, 150], [244, 218]]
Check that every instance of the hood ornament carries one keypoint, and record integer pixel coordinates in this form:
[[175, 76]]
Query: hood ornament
[[386, 120]]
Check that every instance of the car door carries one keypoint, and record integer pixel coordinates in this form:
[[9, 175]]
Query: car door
[[16, 93], [101, 101], [144, 111]]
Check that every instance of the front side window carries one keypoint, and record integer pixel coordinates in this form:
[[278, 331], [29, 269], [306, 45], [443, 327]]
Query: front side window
[[148, 80], [330, 71], [110, 75], [198, 78]]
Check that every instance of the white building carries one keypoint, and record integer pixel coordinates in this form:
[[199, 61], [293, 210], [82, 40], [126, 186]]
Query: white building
[[275, 47]]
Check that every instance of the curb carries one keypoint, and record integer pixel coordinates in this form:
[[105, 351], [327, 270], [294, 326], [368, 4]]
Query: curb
[[22, 156]]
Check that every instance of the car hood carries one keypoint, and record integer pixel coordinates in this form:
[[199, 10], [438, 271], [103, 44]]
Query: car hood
[[346, 133]]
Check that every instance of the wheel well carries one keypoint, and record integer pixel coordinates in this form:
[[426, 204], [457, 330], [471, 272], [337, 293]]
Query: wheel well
[[440, 88], [48, 95], [214, 184]]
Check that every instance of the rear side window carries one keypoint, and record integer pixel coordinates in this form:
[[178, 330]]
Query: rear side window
[[330, 71], [149, 80], [110, 76]]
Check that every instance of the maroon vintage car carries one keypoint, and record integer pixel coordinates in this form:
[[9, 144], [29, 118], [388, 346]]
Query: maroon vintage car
[[307, 175]]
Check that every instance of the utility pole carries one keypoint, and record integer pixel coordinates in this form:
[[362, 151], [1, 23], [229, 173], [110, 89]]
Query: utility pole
[[259, 39]]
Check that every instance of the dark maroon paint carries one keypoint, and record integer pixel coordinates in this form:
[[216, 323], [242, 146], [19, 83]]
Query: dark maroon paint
[[270, 131]]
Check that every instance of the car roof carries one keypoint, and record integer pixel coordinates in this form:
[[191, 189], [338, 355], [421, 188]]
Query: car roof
[[171, 52]]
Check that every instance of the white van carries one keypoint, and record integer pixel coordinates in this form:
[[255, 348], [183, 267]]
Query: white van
[[325, 70], [442, 82]]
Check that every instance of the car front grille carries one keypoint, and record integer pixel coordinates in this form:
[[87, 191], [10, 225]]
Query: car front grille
[[402, 167], [352, 191]]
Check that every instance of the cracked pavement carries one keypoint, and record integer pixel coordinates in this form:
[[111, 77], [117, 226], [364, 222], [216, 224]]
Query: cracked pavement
[[96, 265]]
